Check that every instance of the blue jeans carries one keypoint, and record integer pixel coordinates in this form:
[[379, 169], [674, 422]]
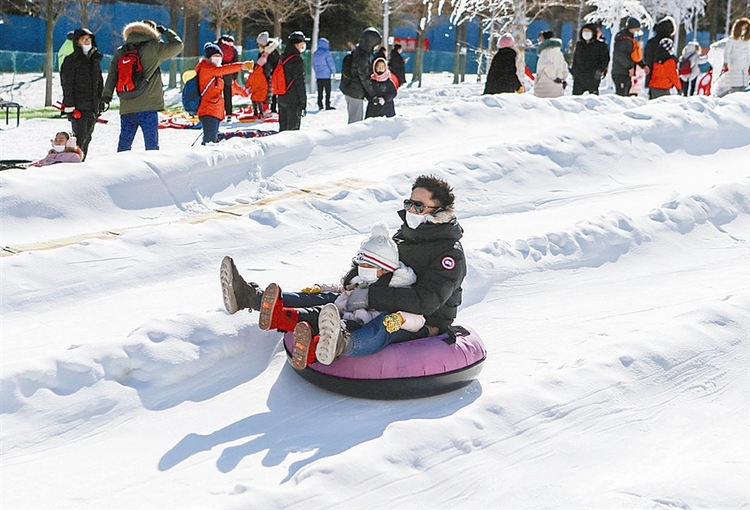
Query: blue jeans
[[149, 124], [373, 337], [210, 128]]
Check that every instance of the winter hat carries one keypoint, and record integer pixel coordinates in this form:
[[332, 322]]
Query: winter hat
[[210, 49], [227, 37], [379, 250], [667, 44], [297, 37], [262, 39], [80, 32], [632, 23], [506, 41], [547, 34]]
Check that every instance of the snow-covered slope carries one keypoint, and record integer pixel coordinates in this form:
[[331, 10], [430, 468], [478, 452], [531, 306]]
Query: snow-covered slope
[[607, 241]]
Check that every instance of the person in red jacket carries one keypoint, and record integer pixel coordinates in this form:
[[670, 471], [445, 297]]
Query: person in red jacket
[[210, 71], [258, 87], [664, 73]]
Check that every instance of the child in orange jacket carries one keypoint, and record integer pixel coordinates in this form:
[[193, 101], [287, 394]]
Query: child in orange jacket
[[664, 73], [257, 84], [209, 70]]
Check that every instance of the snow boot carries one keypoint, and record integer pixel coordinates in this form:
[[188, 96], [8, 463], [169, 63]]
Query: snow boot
[[334, 337], [273, 315], [304, 346], [237, 293]]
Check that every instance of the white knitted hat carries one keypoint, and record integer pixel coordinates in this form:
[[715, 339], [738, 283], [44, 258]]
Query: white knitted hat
[[379, 250]]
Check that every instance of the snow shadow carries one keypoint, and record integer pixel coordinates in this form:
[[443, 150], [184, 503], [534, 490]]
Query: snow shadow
[[304, 418]]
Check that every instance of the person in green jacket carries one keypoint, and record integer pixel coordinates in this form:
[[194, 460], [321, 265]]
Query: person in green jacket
[[142, 110]]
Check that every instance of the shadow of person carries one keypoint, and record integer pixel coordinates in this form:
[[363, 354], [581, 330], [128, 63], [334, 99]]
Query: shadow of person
[[304, 418]]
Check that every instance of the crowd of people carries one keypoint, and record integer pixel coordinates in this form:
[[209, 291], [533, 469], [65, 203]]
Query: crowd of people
[[370, 79], [633, 67]]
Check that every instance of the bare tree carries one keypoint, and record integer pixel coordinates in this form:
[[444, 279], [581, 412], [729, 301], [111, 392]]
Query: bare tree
[[316, 8], [51, 12], [278, 12]]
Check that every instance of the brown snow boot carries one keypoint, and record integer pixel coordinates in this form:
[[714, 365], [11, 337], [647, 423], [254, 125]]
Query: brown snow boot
[[237, 293]]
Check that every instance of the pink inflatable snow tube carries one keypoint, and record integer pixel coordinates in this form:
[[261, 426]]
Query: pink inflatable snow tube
[[413, 369]]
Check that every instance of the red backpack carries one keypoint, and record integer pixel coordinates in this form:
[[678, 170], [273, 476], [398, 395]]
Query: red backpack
[[130, 80], [278, 78], [685, 68]]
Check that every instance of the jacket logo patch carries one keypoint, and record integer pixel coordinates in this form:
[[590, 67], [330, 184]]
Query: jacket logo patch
[[448, 263]]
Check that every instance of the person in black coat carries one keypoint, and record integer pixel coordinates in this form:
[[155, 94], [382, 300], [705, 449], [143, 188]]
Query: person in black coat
[[381, 105], [627, 54], [229, 55], [503, 74], [397, 65], [358, 87], [294, 102], [590, 61], [664, 29], [82, 84]]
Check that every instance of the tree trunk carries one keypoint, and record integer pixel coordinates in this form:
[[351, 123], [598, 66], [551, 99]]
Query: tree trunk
[[173, 61], [519, 35], [457, 56], [462, 57], [277, 28], [49, 68], [480, 54], [314, 42]]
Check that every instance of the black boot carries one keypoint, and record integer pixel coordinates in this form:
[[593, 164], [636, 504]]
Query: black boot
[[236, 292]]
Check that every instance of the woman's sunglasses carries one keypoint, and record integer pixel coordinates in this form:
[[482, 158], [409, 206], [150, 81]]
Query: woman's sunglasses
[[418, 206]]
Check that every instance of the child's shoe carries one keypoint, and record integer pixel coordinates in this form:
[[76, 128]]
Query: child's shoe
[[273, 315], [334, 337], [304, 346]]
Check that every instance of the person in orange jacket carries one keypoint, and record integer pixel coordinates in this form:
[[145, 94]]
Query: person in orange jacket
[[664, 73], [257, 84], [210, 70]]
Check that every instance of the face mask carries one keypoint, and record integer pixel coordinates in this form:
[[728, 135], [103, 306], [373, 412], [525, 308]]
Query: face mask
[[86, 48], [58, 148], [216, 60], [414, 220], [368, 274], [304, 47], [587, 36]]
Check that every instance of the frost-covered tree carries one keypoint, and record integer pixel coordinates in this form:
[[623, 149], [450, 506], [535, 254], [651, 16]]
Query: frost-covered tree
[[683, 11], [494, 16]]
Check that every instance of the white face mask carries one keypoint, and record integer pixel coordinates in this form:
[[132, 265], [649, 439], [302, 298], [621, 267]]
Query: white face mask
[[587, 35], [58, 148], [368, 274], [216, 60], [86, 48], [414, 220], [304, 47]]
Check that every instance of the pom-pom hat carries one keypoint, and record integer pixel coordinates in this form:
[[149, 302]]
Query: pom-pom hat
[[379, 250], [210, 49]]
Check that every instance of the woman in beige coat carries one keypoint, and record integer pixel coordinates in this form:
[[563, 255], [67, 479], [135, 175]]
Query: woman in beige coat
[[551, 69]]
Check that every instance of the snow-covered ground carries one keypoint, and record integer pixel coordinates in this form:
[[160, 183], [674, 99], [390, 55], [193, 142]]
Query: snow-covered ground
[[609, 275]]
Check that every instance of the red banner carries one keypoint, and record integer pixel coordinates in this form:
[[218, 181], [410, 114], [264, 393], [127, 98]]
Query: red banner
[[410, 43]]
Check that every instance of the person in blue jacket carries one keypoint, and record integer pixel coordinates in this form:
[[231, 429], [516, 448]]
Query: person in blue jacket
[[324, 68]]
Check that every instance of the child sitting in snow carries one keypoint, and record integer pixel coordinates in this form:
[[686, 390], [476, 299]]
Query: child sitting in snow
[[64, 150], [385, 91], [376, 263]]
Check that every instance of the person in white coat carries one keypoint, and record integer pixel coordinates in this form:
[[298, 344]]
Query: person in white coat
[[691, 55], [737, 56], [551, 69]]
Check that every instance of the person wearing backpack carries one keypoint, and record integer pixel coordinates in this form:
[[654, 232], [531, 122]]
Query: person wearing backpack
[[355, 75], [210, 72], [688, 68], [82, 84], [291, 89], [626, 56], [141, 108]]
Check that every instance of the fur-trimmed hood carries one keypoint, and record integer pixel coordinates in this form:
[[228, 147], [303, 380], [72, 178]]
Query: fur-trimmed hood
[[138, 32], [273, 45]]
